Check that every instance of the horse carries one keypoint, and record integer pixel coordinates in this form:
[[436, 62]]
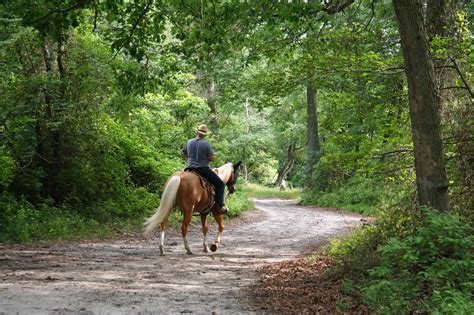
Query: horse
[[184, 190]]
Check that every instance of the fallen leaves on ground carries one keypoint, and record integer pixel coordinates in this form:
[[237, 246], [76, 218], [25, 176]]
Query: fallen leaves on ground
[[302, 286]]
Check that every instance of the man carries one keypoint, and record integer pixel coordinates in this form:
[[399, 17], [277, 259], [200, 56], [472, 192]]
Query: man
[[199, 153]]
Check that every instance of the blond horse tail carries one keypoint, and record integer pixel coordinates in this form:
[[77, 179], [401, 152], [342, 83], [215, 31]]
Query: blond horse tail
[[168, 200]]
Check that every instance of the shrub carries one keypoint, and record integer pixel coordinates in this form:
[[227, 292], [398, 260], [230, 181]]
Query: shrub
[[21, 221], [359, 194], [356, 253], [430, 270], [7, 166], [238, 203]]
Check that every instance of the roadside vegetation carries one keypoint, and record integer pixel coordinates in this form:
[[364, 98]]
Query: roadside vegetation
[[424, 266], [259, 191], [98, 98]]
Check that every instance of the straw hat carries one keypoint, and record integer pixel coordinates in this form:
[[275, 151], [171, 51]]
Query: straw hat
[[203, 130]]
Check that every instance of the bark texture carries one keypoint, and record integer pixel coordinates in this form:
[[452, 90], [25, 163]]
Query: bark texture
[[441, 23], [424, 102], [441, 17], [285, 169]]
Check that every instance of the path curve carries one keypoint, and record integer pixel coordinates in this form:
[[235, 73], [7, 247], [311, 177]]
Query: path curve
[[129, 277]]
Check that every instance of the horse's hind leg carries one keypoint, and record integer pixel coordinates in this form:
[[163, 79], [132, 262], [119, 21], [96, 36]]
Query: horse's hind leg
[[188, 216], [220, 229], [205, 229], [162, 237]]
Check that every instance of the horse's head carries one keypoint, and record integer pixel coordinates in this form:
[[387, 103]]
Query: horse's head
[[233, 177]]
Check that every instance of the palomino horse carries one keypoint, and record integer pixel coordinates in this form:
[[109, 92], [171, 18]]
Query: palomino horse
[[184, 189]]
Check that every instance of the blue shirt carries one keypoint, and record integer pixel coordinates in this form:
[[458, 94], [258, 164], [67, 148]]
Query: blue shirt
[[198, 151]]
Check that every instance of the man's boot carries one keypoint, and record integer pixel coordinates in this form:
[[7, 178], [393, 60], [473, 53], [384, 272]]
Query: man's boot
[[219, 209]]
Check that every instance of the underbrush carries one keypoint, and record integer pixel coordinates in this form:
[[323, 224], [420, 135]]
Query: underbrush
[[359, 195], [427, 270], [22, 221]]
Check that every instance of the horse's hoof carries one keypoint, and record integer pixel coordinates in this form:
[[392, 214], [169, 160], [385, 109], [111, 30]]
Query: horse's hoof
[[206, 249], [213, 247], [190, 253]]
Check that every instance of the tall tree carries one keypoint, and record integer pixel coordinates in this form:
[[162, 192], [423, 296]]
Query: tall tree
[[424, 103], [441, 26], [312, 136]]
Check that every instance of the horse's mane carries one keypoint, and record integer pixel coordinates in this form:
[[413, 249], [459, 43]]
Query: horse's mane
[[224, 171]]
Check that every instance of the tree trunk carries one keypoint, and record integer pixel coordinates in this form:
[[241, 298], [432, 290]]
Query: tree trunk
[[47, 130], [287, 166], [441, 17], [312, 136], [45, 143], [244, 166], [441, 22], [211, 94], [424, 103], [208, 91]]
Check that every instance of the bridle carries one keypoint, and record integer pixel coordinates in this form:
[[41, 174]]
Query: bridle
[[231, 182]]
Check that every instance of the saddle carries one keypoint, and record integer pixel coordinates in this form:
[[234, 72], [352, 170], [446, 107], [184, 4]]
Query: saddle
[[209, 188]]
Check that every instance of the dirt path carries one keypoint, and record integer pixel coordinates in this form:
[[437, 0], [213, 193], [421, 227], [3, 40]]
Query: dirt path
[[129, 277]]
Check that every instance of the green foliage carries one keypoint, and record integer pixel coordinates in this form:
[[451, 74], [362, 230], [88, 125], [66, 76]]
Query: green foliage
[[238, 202], [80, 152], [22, 221], [434, 265], [356, 253], [427, 270], [359, 194], [7, 168]]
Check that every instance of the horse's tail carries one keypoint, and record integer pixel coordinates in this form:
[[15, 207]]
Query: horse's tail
[[168, 200]]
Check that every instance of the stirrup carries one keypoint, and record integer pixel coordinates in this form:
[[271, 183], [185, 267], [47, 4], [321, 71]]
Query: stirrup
[[222, 210]]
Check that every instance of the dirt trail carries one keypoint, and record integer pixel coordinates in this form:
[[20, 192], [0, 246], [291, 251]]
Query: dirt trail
[[128, 276]]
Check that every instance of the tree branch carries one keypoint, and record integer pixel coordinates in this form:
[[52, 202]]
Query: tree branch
[[372, 15], [393, 153], [134, 28], [458, 70], [79, 4], [454, 87], [96, 14], [336, 8]]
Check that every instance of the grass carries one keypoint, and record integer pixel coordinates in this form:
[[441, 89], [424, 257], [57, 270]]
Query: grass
[[259, 191]]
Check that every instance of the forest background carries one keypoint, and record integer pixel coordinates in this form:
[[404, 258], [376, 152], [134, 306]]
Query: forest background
[[98, 97]]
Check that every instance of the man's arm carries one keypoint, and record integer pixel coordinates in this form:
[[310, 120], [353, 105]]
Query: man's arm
[[210, 153], [185, 153]]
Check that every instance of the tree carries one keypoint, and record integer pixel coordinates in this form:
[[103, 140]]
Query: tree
[[424, 103], [312, 135]]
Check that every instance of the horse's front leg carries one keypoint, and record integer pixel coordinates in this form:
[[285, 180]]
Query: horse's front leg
[[220, 229], [188, 216], [205, 229]]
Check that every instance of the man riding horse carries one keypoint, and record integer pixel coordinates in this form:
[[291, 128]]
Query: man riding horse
[[187, 191], [199, 153]]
